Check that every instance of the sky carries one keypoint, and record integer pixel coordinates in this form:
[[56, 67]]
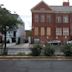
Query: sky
[[23, 8]]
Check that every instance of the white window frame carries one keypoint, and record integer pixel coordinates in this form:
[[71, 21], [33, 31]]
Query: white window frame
[[66, 31], [58, 19], [58, 31], [36, 18], [42, 18], [49, 18], [65, 19], [36, 31], [48, 31], [42, 31]]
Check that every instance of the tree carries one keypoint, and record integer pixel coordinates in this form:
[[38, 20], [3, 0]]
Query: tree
[[36, 50], [8, 21], [67, 50]]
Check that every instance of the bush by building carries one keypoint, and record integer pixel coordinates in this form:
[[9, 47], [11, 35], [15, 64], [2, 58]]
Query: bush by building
[[36, 50], [48, 50], [21, 54], [67, 50]]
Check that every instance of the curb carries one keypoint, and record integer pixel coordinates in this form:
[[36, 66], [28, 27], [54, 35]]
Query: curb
[[35, 58]]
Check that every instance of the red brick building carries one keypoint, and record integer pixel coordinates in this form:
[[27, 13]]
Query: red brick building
[[52, 22]]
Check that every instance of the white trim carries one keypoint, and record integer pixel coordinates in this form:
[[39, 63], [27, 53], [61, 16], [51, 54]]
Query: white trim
[[48, 11], [42, 11]]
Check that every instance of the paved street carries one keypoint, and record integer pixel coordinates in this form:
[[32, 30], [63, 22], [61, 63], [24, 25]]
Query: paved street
[[35, 66]]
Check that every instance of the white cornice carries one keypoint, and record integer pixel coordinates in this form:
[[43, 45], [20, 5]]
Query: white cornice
[[48, 11], [42, 11]]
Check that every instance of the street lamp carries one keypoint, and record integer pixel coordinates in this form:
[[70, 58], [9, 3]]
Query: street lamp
[[47, 37], [65, 39], [56, 37]]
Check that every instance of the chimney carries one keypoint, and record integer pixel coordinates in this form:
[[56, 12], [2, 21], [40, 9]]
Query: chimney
[[65, 3]]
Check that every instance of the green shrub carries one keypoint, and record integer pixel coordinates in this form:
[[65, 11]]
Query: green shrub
[[29, 54], [36, 50], [67, 50], [21, 54], [48, 50]]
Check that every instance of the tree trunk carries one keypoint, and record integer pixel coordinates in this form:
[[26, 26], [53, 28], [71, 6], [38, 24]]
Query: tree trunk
[[5, 49]]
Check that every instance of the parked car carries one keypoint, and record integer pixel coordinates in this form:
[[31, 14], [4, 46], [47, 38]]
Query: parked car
[[69, 42], [54, 42]]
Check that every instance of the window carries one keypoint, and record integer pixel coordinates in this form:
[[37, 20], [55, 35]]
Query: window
[[58, 19], [48, 31], [36, 31], [49, 18], [66, 31], [36, 18], [59, 31], [42, 31], [42, 18], [65, 19]]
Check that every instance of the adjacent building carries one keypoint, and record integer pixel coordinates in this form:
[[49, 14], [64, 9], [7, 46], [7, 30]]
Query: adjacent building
[[51, 23], [20, 34], [17, 34]]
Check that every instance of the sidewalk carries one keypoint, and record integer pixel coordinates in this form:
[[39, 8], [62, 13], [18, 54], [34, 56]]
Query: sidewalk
[[10, 44], [14, 49], [13, 45]]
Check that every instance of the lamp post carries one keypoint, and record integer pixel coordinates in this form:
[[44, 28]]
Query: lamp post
[[56, 37], [47, 37], [65, 39]]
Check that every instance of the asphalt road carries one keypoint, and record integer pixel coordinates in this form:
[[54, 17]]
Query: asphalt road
[[35, 66]]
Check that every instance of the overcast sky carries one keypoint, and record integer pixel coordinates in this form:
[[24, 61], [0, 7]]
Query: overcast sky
[[23, 8]]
